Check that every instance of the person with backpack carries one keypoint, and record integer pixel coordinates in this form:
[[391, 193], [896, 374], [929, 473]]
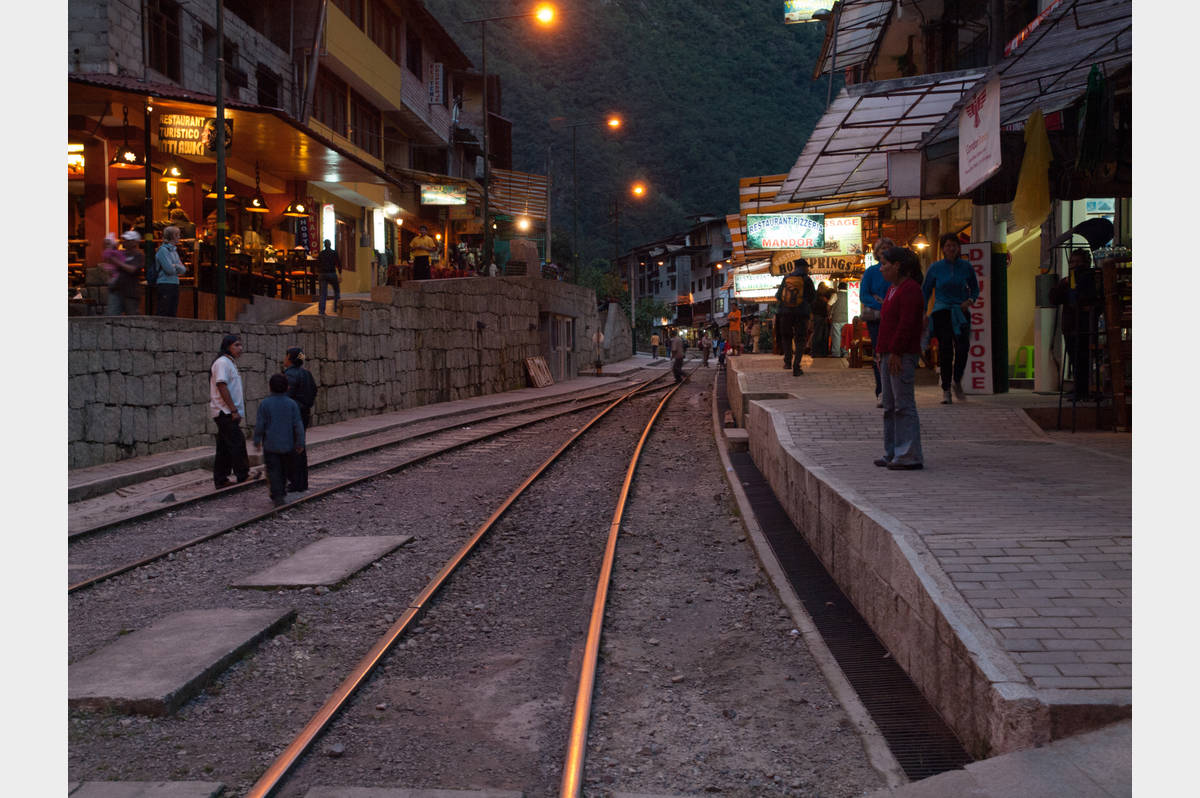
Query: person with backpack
[[302, 388], [795, 296]]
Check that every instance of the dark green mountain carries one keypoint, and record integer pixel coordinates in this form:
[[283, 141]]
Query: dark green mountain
[[711, 90]]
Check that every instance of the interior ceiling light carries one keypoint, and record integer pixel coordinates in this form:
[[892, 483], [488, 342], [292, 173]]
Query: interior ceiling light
[[172, 173], [919, 241], [173, 204], [125, 157], [212, 193], [257, 203]]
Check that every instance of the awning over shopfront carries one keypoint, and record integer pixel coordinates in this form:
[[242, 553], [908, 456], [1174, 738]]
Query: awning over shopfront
[[860, 25], [1048, 69], [518, 193], [847, 152]]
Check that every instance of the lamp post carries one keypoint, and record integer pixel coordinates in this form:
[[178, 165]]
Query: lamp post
[[637, 190], [544, 13], [612, 123], [220, 187]]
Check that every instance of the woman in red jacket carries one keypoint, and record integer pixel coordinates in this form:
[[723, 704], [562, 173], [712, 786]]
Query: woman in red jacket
[[901, 322]]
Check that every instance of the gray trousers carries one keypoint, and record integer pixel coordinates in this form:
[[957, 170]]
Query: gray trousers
[[901, 426]]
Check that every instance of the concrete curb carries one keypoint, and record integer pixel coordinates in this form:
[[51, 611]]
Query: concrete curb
[[879, 754]]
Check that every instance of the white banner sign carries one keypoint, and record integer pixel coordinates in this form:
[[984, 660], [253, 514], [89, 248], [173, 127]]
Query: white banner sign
[[756, 286], [979, 137], [978, 378]]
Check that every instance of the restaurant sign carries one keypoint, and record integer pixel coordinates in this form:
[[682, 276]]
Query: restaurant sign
[[756, 286], [802, 10], [443, 195], [183, 134], [785, 231]]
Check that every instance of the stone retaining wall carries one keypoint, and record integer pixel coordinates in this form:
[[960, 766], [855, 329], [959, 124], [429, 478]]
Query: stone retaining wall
[[138, 385]]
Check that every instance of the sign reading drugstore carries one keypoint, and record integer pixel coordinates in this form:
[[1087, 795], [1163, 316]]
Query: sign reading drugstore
[[785, 231], [183, 134]]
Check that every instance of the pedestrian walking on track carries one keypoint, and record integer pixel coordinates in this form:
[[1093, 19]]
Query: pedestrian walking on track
[[279, 432], [228, 407], [677, 352], [303, 389], [654, 342]]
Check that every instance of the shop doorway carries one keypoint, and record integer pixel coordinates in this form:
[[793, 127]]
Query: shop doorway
[[345, 243], [558, 342]]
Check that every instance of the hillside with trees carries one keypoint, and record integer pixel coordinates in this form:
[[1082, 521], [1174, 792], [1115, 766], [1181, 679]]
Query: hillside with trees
[[711, 91]]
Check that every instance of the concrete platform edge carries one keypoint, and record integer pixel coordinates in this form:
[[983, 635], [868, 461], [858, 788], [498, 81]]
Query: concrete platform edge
[[879, 754]]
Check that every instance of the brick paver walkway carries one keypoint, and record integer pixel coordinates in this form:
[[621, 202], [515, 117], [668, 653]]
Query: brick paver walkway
[[1033, 528]]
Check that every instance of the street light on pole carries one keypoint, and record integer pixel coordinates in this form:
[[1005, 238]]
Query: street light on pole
[[544, 13], [613, 122], [638, 191]]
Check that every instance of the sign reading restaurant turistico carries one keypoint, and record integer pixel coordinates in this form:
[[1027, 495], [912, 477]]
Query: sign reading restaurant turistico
[[183, 134], [785, 231]]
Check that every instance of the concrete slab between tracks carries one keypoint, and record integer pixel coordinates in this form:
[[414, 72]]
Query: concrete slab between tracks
[[999, 577], [145, 789], [86, 483], [155, 670], [327, 562], [404, 792], [1097, 763]]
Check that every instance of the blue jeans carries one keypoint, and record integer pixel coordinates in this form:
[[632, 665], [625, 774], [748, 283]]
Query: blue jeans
[[873, 331], [901, 426]]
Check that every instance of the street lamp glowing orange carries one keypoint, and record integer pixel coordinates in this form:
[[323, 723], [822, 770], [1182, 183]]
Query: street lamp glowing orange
[[614, 121], [638, 189], [544, 13]]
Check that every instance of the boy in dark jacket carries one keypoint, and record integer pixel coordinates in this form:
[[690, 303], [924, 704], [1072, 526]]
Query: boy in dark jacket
[[279, 431], [303, 388]]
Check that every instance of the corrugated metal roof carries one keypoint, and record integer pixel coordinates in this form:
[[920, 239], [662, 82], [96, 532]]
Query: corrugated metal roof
[[1049, 69], [847, 151], [860, 25]]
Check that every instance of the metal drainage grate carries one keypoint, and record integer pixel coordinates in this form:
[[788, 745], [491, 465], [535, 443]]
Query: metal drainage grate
[[919, 739]]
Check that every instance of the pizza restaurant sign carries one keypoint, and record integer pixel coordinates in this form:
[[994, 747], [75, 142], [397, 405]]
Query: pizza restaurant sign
[[183, 134], [785, 231]]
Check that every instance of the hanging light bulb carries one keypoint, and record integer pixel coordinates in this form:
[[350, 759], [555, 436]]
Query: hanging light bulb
[[257, 203], [125, 157], [296, 208], [173, 174], [212, 193], [919, 242]]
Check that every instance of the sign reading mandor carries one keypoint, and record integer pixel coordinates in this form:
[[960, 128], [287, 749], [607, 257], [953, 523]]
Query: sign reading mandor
[[785, 231], [183, 134]]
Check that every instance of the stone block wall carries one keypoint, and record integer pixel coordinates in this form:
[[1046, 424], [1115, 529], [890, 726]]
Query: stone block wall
[[138, 385]]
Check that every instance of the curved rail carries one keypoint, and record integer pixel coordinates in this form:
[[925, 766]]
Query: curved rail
[[644, 386], [572, 780], [275, 774]]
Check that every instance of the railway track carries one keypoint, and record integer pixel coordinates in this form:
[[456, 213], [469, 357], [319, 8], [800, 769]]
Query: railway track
[[201, 514]]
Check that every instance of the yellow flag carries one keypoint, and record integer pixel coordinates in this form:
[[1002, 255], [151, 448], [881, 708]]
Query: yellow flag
[[1031, 206]]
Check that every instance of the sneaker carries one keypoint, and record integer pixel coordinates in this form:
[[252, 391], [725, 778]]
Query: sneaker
[[882, 462], [787, 364], [222, 484], [879, 400], [946, 398], [958, 392], [278, 501], [796, 372], [905, 466]]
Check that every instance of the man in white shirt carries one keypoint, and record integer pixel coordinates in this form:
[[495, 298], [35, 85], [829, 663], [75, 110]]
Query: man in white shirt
[[227, 407]]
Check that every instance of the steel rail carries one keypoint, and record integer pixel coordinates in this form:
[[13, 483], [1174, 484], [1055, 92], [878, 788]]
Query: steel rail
[[273, 777], [342, 486], [572, 780], [587, 397]]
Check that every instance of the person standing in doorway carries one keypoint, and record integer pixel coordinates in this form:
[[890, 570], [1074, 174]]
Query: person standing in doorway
[[871, 292], [952, 283], [677, 352], [794, 295], [1079, 299], [279, 432], [303, 389], [329, 267], [228, 407], [654, 342], [423, 246], [170, 268], [901, 323]]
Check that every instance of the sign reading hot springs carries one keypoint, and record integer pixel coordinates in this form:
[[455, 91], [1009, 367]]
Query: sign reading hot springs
[[785, 231], [183, 134]]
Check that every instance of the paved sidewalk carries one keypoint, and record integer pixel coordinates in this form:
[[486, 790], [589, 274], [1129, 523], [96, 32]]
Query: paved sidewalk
[[1032, 529]]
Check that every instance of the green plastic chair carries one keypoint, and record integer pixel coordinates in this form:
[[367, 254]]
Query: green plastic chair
[[1023, 367]]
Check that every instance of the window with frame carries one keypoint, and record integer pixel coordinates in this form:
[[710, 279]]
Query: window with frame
[[385, 30], [412, 46], [352, 9], [329, 101], [365, 122], [162, 17], [268, 87]]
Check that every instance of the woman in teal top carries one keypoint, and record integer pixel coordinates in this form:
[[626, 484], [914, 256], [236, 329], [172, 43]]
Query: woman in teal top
[[951, 281], [170, 267]]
